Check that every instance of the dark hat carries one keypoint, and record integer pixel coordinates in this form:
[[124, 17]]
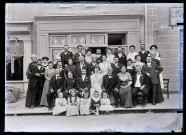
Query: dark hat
[[153, 46], [45, 58], [88, 50], [129, 60], [137, 56]]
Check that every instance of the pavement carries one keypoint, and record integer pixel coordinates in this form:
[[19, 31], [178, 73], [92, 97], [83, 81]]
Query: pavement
[[129, 122]]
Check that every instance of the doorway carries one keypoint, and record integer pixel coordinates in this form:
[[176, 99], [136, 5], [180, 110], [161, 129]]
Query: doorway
[[94, 49]]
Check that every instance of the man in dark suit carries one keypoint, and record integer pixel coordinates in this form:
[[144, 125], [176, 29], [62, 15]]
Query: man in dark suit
[[58, 58], [65, 55], [122, 57], [77, 54], [82, 65], [37, 83], [143, 53], [83, 83], [152, 70], [139, 84], [111, 85], [61, 68], [55, 86], [98, 55], [116, 66]]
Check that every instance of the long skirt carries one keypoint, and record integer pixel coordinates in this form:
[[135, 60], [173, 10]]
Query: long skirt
[[44, 93], [106, 108], [59, 109], [72, 110], [126, 96], [84, 109]]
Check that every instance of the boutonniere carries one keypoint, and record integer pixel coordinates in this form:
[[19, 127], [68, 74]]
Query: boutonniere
[[58, 77]]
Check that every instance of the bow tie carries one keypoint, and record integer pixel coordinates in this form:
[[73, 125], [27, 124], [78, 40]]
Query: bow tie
[[138, 73]]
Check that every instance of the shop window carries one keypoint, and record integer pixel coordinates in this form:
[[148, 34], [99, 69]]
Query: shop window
[[14, 60]]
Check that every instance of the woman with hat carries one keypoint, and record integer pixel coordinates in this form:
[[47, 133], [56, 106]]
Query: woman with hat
[[154, 48], [88, 54], [45, 62]]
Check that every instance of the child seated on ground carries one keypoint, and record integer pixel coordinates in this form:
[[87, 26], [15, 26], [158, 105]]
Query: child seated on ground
[[85, 104], [95, 103], [60, 105], [105, 103], [73, 103]]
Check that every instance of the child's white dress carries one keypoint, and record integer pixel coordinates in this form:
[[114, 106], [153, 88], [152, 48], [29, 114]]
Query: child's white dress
[[73, 109], [107, 106], [84, 106], [60, 108]]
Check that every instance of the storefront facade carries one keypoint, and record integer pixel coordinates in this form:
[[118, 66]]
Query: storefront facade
[[50, 27]]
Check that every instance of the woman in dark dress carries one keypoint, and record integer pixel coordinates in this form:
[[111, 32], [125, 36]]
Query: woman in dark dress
[[28, 74], [69, 83], [130, 68], [70, 67], [125, 88]]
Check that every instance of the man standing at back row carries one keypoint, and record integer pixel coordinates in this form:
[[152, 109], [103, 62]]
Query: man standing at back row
[[77, 54], [65, 55], [143, 53]]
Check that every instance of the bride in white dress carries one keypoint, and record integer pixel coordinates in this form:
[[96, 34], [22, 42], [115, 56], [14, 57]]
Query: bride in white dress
[[96, 81], [103, 66]]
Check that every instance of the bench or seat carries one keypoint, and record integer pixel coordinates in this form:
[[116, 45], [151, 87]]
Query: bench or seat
[[166, 87]]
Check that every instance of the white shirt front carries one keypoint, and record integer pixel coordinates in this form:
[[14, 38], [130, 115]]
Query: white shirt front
[[137, 84], [79, 54], [148, 64], [81, 65], [83, 77], [116, 64], [132, 56], [120, 54], [143, 52], [39, 67]]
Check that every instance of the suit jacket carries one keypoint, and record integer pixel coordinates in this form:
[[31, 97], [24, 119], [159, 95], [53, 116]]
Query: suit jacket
[[37, 79], [122, 59], [69, 68], [154, 71], [78, 69], [155, 61], [116, 70], [83, 84], [62, 72], [144, 56], [143, 80], [69, 83], [55, 66], [92, 67], [114, 81], [64, 58], [76, 57], [99, 59], [56, 84]]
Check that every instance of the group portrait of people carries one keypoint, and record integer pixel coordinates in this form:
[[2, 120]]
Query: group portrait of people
[[90, 83]]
